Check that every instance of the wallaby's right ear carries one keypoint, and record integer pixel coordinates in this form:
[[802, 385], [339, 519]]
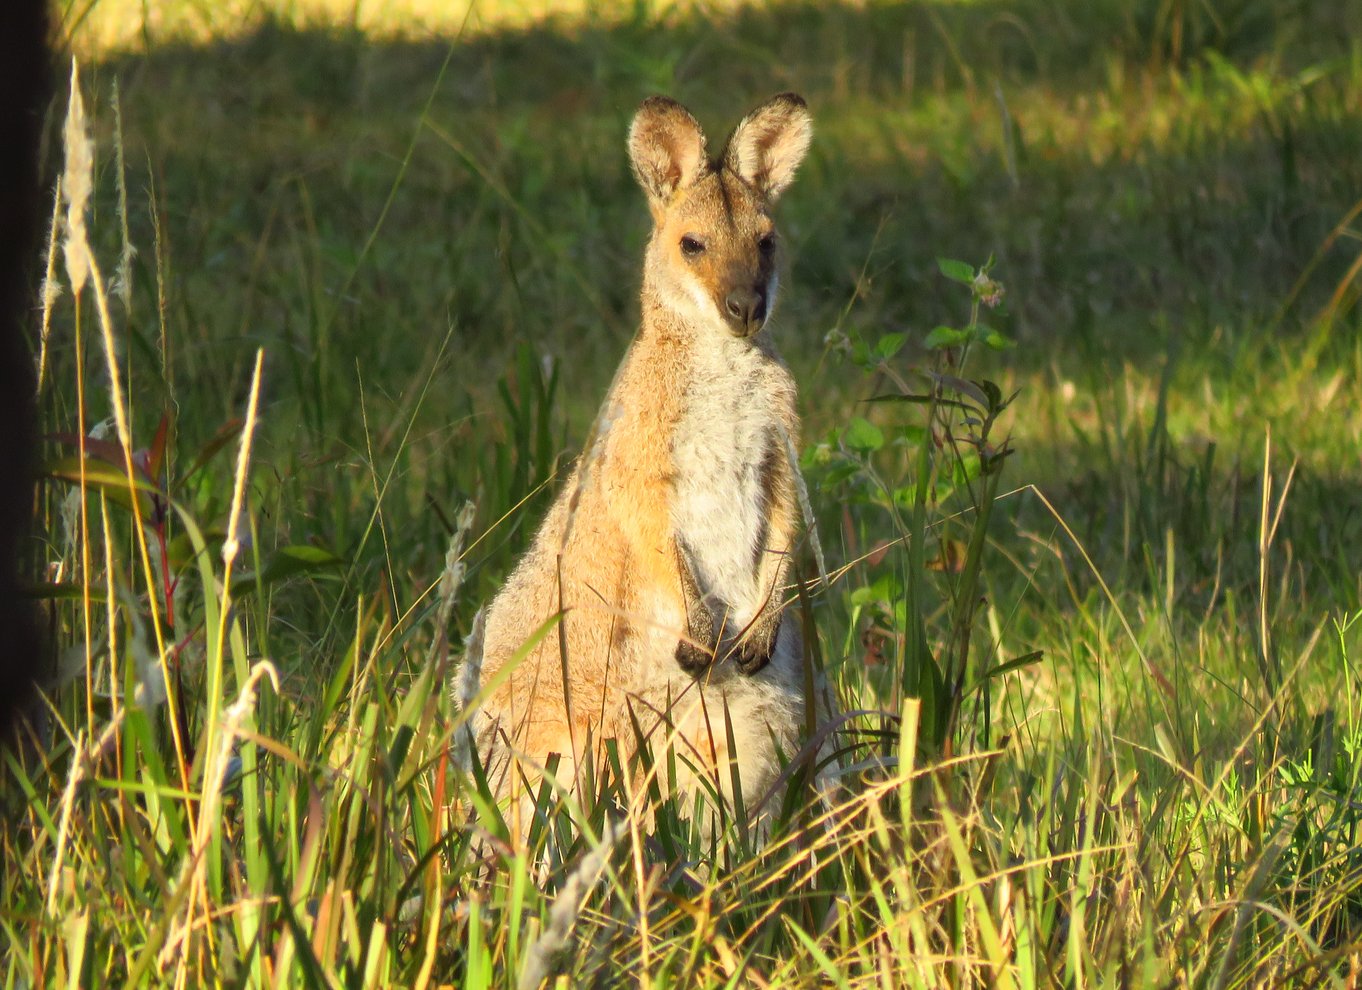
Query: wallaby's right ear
[[666, 149]]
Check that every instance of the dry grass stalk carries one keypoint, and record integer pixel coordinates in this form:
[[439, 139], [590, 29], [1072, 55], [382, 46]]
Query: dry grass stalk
[[451, 580], [122, 282], [805, 506]]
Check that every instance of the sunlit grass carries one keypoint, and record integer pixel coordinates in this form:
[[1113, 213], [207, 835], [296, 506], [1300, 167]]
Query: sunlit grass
[[108, 26]]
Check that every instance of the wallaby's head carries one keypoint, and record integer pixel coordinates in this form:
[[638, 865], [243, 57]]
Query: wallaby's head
[[714, 248]]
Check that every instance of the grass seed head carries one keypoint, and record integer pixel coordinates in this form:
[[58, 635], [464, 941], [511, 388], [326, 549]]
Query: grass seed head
[[465, 691], [566, 908], [77, 182]]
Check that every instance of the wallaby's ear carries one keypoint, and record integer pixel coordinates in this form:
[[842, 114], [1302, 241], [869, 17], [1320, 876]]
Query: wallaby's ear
[[770, 142], [666, 148]]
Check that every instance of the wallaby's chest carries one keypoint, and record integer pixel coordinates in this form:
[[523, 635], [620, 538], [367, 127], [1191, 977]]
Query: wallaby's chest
[[722, 450]]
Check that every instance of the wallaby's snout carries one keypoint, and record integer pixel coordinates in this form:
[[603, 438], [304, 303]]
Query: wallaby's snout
[[714, 252], [746, 310]]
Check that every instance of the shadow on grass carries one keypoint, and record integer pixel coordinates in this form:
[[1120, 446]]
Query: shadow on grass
[[1111, 181], [1141, 186]]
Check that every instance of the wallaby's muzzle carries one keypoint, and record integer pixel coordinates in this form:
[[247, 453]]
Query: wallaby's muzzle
[[745, 311]]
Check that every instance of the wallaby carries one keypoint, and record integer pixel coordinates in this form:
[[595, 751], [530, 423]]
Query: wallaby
[[668, 549]]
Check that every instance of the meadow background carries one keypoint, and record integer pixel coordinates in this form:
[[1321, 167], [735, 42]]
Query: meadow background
[[421, 217]]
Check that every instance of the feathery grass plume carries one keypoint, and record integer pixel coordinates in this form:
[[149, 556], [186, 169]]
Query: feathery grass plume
[[161, 266], [566, 907], [77, 182], [122, 281], [51, 288], [233, 545], [465, 691], [805, 506], [451, 579]]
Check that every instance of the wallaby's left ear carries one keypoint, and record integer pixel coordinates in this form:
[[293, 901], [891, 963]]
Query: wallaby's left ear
[[770, 142], [666, 148]]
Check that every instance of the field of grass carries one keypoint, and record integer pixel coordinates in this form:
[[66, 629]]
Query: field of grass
[[361, 266]]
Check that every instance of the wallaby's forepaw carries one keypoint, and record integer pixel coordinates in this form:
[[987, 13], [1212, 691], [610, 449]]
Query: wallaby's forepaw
[[691, 658], [755, 652]]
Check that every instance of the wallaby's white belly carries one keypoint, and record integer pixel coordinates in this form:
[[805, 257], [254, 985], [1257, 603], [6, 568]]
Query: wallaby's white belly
[[722, 443]]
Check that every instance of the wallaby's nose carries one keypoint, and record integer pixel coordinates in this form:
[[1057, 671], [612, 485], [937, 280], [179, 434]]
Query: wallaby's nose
[[746, 307]]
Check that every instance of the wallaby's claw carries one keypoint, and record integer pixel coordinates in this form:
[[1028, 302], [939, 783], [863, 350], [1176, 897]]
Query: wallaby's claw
[[751, 660], [754, 652], [692, 659]]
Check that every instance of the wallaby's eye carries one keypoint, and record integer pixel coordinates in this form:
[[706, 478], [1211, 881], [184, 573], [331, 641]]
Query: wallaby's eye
[[691, 246], [767, 244]]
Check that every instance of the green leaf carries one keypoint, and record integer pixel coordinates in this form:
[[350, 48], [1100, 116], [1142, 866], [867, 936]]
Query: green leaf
[[931, 689], [945, 337], [863, 436], [913, 435], [1025, 660], [887, 588], [839, 473], [98, 474], [965, 469], [889, 345], [283, 563], [956, 271], [995, 340], [905, 497], [53, 590], [863, 596]]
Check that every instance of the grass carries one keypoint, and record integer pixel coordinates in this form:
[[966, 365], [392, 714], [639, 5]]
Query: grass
[[404, 267]]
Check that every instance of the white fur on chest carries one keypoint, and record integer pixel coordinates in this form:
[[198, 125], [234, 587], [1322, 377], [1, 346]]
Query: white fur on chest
[[723, 442]]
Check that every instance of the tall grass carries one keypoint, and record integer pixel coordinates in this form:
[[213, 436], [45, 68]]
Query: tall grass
[[1095, 624]]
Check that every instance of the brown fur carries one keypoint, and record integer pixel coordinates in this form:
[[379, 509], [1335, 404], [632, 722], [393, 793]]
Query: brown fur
[[667, 550]]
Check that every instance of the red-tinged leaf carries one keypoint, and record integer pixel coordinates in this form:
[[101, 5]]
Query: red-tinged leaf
[[104, 450], [966, 388], [283, 563], [226, 433], [950, 557], [158, 447], [922, 400]]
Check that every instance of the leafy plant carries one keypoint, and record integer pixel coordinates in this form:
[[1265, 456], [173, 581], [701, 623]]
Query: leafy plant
[[951, 463]]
